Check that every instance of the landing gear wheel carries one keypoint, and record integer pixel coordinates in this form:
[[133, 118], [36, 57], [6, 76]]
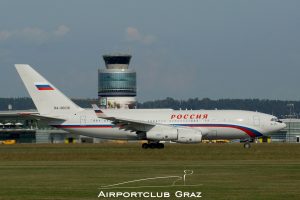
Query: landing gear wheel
[[160, 145], [247, 145], [153, 145]]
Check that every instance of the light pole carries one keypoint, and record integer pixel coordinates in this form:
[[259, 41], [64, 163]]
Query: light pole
[[291, 106]]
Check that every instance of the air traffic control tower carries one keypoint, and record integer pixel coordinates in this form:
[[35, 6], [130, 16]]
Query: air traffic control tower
[[117, 83]]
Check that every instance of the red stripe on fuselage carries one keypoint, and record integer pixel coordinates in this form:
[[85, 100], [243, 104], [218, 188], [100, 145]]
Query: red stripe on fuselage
[[46, 88], [78, 126], [244, 129], [247, 131]]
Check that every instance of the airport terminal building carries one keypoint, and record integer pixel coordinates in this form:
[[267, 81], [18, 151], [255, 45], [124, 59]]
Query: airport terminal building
[[292, 130]]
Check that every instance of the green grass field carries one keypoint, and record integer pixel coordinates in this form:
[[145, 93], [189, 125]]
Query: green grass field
[[221, 171]]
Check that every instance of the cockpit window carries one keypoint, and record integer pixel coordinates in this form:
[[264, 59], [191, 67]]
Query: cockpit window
[[276, 120]]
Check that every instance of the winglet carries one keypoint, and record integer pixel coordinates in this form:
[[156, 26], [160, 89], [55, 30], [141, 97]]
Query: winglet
[[96, 108], [98, 111]]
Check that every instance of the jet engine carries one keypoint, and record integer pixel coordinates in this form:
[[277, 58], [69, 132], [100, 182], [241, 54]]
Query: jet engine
[[188, 136], [162, 133], [180, 135]]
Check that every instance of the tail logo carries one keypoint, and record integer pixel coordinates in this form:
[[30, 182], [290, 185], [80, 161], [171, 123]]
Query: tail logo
[[43, 86]]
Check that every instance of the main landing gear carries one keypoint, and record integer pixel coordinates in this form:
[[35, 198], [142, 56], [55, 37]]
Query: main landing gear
[[153, 145]]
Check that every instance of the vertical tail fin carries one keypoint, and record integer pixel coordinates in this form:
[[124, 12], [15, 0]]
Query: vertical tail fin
[[47, 99]]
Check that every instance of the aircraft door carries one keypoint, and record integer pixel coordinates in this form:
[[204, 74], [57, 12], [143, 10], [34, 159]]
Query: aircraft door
[[212, 135], [215, 134], [256, 120], [82, 120]]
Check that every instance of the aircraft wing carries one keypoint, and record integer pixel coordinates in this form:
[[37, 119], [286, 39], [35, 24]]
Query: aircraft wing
[[137, 125], [37, 116], [48, 118], [17, 113], [126, 124], [130, 125], [143, 126], [161, 130], [30, 114]]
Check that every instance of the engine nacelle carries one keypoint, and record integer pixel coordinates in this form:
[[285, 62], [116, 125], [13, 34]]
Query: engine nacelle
[[162, 133], [180, 135], [189, 136]]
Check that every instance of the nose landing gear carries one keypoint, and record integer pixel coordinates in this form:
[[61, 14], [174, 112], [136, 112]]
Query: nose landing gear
[[247, 145]]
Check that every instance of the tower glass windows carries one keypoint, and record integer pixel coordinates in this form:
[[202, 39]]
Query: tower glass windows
[[117, 83]]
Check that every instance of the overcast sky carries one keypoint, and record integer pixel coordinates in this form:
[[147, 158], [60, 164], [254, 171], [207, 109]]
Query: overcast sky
[[181, 49]]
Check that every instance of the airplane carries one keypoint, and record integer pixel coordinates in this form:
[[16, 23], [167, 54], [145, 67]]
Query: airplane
[[151, 125]]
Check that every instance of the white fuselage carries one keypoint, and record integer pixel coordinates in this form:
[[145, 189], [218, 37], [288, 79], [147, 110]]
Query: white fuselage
[[219, 124]]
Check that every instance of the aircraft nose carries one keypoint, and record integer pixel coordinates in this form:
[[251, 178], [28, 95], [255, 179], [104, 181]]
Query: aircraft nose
[[283, 125]]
